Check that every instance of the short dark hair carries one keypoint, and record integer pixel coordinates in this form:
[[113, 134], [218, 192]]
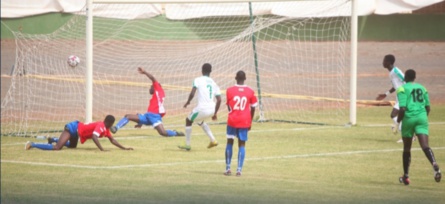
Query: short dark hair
[[240, 76], [206, 68], [410, 75], [109, 119], [390, 58]]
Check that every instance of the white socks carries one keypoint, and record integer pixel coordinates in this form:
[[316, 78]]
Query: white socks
[[395, 120], [188, 134], [395, 123], [207, 130]]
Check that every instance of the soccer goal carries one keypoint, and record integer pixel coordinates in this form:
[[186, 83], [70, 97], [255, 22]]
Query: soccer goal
[[297, 55]]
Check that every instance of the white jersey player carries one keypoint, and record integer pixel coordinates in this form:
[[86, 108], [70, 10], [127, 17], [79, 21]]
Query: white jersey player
[[397, 79], [208, 91]]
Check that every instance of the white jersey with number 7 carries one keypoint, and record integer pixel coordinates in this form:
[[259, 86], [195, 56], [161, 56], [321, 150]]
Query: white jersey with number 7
[[207, 90]]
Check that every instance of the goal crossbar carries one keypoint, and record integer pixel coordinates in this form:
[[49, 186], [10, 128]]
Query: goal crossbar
[[186, 1]]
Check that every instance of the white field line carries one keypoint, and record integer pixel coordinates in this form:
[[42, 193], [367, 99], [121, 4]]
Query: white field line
[[383, 125], [14, 144], [347, 153]]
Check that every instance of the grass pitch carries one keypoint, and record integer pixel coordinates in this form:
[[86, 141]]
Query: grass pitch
[[285, 163]]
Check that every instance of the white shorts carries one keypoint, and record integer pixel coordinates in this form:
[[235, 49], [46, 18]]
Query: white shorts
[[200, 114], [396, 105]]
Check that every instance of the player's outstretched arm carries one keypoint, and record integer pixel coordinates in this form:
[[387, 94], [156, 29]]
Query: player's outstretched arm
[[191, 95], [115, 143], [382, 96], [96, 141], [150, 76]]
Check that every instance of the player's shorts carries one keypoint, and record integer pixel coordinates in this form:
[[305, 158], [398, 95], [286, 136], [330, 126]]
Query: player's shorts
[[240, 133], [152, 119], [72, 129], [200, 114], [417, 125], [396, 105]]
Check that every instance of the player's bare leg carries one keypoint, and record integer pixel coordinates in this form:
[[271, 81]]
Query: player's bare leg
[[133, 117], [407, 143], [423, 140], [395, 129], [161, 130], [167, 133], [64, 137], [394, 113]]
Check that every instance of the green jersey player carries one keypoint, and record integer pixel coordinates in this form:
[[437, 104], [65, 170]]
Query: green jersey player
[[414, 109]]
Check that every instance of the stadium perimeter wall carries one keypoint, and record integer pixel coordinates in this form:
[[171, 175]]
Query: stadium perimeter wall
[[398, 27]]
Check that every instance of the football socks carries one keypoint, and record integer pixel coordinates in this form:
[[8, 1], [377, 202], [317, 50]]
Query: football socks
[[229, 148], [208, 132], [42, 146], [188, 134], [122, 123], [171, 133], [241, 154], [430, 155], [406, 162]]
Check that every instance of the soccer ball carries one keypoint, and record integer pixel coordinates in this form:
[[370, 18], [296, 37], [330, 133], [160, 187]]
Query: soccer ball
[[73, 60]]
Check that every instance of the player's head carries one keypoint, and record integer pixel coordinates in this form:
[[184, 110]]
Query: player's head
[[109, 121], [388, 61], [206, 69], [240, 77], [410, 75]]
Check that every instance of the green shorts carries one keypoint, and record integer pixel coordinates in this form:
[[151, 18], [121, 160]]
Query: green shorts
[[417, 125]]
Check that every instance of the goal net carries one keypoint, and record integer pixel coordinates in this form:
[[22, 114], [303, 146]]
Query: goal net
[[295, 55]]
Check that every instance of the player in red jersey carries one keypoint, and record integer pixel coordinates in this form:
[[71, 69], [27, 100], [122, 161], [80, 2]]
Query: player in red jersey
[[75, 130], [155, 111], [241, 101]]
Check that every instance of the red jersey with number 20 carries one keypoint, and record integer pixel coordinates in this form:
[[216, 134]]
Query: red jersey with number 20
[[240, 98], [157, 100], [86, 130]]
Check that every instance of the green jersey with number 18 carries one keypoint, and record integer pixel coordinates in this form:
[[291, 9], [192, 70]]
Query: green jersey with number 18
[[414, 97]]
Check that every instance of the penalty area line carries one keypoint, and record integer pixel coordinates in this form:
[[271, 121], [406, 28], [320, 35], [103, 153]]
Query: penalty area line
[[213, 161]]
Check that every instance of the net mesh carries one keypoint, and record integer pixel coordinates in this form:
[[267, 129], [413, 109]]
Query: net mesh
[[298, 65]]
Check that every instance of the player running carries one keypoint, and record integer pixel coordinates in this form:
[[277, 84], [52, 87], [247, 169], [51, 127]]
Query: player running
[[414, 110], [241, 101], [75, 130], [206, 108], [397, 80], [155, 111]]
